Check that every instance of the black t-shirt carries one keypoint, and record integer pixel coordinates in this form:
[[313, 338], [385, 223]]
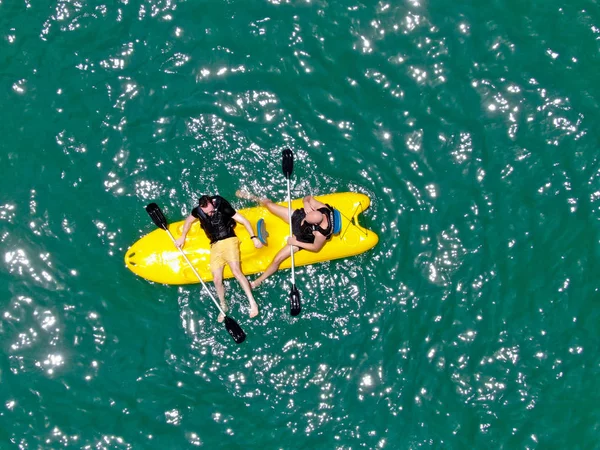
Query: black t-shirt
[[220, 225], [304, 231]]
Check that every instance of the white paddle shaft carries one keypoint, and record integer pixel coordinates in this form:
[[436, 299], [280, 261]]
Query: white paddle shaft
[[290, 218], [196, 273]]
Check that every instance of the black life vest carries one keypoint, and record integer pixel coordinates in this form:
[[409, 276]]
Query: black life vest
[[304, 231], [220, 225]]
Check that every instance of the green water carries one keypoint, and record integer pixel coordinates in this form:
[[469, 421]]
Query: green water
[[471, 126]]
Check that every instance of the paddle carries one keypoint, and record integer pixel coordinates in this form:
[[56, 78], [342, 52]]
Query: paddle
[[287, 164], [231, 325]]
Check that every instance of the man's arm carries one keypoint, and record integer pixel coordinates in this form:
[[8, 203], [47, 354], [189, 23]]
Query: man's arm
[[246, 223], [180, 241]]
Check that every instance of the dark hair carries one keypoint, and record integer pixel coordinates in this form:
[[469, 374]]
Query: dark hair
[[203, 201]]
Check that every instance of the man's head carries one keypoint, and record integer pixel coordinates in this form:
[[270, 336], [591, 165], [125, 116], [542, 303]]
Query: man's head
[[206, 205], [314, 217]]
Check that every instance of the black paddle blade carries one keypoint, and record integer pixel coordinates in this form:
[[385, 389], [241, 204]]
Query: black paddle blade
[[235, 330], [295, 306], [287, 162], [157, 216]]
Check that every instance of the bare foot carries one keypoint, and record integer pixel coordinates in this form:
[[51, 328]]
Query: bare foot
[[221, 317], [248, 196], [245, 195], [253, 310]]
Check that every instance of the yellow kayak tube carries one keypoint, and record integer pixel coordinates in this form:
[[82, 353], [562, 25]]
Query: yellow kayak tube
[[155, 257]]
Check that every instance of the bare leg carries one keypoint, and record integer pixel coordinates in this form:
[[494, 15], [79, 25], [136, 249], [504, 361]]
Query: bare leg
[[278, 210], [237, 273], [281, 256], [217, 274]]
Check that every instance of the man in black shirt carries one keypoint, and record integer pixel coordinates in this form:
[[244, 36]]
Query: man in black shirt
[[217, 219]]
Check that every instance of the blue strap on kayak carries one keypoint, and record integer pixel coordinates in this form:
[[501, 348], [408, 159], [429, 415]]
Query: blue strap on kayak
[[261, 230], [337, 221]]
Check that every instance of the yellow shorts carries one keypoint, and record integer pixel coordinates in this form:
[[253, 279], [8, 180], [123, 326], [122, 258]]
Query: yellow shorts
[[225, 251]]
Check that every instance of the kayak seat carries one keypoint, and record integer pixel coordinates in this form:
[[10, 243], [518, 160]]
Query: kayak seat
[[337, 221], [261, 231]]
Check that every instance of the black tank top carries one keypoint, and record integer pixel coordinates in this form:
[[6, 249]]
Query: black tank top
[[304, 231]]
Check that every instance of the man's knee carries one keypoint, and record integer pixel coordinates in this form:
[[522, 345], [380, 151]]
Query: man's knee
[[236, 271]]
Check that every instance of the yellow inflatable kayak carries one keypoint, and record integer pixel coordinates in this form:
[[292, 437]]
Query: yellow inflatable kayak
[[156, 258]]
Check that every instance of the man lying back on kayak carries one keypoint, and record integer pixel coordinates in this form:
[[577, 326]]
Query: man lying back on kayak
[[312, 226], [217, 219]]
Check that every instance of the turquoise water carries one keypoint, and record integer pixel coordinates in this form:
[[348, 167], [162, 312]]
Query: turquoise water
[[472, 127]]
